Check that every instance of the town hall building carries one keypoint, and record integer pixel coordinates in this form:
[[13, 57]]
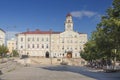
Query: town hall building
[[51, 43]]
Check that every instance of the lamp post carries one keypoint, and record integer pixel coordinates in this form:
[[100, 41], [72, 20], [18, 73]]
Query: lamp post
[[50, 46], [114, 59]]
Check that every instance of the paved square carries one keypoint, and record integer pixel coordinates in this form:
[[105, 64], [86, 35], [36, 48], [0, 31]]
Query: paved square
[[57, 72]]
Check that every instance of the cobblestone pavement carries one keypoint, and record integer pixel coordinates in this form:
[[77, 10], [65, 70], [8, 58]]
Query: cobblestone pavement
[[57, 72]]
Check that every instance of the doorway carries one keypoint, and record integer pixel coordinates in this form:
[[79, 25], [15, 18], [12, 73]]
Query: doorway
[[47, 54], [69, 54]]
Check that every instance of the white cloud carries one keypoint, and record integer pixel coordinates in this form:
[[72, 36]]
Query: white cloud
[[83, 13]]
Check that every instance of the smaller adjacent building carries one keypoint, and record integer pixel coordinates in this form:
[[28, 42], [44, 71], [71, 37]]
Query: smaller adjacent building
[[2, 37], [11, 44]]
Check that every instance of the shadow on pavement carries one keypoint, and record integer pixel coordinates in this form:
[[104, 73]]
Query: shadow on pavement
[[98, 75]]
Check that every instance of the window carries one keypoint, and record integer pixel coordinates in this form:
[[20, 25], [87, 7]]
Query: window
[[76, 48], [33, 39], [75, 54], [33, 46], [12, 43], [42, 46], [37, 45], [21, 46], [62, 40], [80, 48], [68, 20], [75, 36], [28, 39], [67, 47], [21, 39], [46, 39], [37, 39], [28, 45], [47, 46], [42, 39], [63, 48]]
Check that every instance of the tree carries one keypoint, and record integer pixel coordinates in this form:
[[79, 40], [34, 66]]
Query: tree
[[3, 50], [110, 26], [105, 39], [90, 50], [15, 53]]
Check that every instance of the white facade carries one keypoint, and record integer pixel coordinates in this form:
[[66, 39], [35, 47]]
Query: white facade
[[2, 37], [52, 44]]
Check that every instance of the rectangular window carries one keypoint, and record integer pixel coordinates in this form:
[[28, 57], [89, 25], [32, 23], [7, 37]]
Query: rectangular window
[[47, 46], [21, 46], [42, 46], [76, 48], [33, 46], [46, 39], [28, 45], [37, 39], [62, 40], [42, 39], [28, 39], [21, 39], [33, 39], [63, 48], [37, 45]]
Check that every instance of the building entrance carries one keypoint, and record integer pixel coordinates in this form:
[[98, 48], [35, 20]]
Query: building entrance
[[69, 54], [47, 54]]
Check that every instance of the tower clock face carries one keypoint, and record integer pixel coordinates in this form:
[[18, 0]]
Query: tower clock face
[[69, 26]]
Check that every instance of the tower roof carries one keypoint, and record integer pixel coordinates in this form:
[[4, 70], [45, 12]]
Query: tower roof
[[68, 15]]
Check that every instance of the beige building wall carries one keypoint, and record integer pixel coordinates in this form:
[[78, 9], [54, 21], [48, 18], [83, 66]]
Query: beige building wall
[[11, 45]]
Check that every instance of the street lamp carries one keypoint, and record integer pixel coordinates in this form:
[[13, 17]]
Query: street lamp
[[114, 59], [50, 46]]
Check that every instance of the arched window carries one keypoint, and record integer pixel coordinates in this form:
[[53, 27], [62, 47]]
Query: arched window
[[47, 54]]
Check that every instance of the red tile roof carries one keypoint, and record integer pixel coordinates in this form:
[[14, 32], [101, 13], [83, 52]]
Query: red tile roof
[[40, 32]]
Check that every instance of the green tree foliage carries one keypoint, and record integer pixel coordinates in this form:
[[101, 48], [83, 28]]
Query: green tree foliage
[[110, 26], [89, 51], [106, 37], [15, 53], [3, 50]]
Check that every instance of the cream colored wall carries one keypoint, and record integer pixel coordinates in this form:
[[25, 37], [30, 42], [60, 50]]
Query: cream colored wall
[[44, 39], [55, 44], [11, 44], [2, 37]]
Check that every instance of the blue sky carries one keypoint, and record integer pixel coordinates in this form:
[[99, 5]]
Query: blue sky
[[19, 15]]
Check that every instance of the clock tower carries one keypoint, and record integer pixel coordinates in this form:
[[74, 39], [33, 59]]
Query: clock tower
[[69, 23]]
